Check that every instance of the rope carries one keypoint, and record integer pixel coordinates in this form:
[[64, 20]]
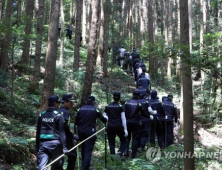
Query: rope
[[73, 148]]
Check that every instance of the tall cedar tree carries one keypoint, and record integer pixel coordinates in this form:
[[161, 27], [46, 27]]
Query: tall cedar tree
[[186, 86], [28, 29], [91, 56], [51, 54], [107, 8], [39, 10], [79, 6], [6, 38]]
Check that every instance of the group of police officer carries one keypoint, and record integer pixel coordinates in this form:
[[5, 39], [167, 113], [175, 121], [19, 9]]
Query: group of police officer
[[141, 118]]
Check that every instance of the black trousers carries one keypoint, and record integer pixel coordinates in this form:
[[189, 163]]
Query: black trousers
[[156, 130], [112, 132], [135, 128], [144, 133], [168, 132], [86, 148], [49, 150], [71, 161]]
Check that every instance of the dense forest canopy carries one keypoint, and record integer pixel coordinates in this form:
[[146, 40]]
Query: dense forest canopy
[[67, 46]]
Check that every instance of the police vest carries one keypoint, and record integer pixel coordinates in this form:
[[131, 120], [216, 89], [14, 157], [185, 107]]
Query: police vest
[[49, 130]]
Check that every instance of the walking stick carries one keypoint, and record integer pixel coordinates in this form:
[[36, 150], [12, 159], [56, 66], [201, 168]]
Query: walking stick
[[105, 147], [165, 131]]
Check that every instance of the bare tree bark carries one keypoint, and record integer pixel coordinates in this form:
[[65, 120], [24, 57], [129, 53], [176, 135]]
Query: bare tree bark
[[39, 10], [151, 38], [51, 54], [107, 8], [28, 29], [6, 38], [61, 33], [91, 56], [186, 87], [84, 15], [100, 37], [2, 4], [79, 6]]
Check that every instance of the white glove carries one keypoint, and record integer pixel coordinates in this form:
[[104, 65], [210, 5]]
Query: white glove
[[105, 116], [154, 112], [125, 133], [151, 117], [178, 120], [135, 82]]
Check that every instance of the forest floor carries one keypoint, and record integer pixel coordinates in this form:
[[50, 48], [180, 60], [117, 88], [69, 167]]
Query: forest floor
[[17, 140]]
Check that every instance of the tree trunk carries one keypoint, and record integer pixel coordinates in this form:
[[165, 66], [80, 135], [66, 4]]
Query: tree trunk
[[186, 87], [51, 54], [100, 39], [151, 38], [6, 38], [39, 8], [2, 4], [84, 22], [79, 6], [61, 34], [107, 8], [19, 11], [28, 29], [91, 56]]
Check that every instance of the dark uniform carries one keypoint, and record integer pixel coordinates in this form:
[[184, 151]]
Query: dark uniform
[[135, 55], [145, 83], [67, 104], [156, 126], [133, 110], [171, 113], [69, 32], [50, 135], [86, 126], [116, 124], [145, 119]]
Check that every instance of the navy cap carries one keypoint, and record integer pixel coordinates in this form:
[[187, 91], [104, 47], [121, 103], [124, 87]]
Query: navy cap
[[143, 68], [67, 97], [154, 94], [91, 98], [170, 96], [136, 93], [53, 98], [116, 95]]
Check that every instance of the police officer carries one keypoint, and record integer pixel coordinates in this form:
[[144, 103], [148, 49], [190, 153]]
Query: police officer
[[116, 124], [145, 83], [134, 54], [143, 73], [121, 59], [50, 135], [86, 125], [69, 32], [171, 113], [145, 119], [67, 104], [156, 126]]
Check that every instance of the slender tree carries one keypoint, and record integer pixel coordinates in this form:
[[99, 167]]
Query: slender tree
[[151, 38], [2, 3], [28, 29], [186, 87], [79, 6], [6, 37], [91, 55], [39, 14], [51, 54], [107, 8], [61, 33]]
